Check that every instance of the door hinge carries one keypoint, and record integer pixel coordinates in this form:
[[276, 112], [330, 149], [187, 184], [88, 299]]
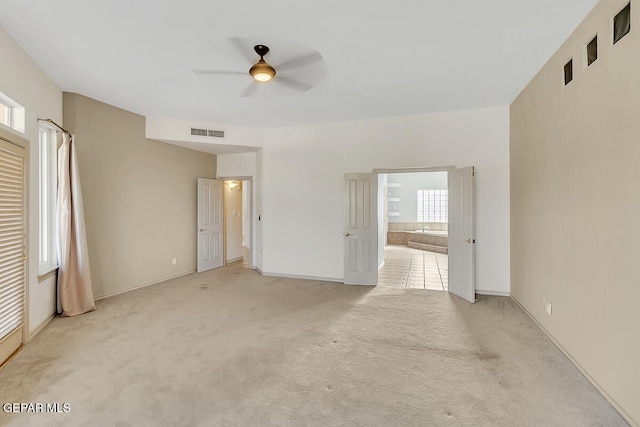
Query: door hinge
[[473, 171]]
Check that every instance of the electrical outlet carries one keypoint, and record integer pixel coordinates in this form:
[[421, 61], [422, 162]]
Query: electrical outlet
[[547, 307], [174, 261]]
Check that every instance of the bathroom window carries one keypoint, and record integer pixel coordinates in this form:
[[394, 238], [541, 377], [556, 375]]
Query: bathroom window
[[433, 206], [592, 51], [622, 23], [568, 72]]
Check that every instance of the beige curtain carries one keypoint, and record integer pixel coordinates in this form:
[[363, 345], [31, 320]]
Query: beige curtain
[[74, 277]]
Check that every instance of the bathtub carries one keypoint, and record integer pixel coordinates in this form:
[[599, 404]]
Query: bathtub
[[429, 240], [444, 233]]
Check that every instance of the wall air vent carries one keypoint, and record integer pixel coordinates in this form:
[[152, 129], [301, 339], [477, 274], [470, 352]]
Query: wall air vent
[[207, 132], [198, 132]]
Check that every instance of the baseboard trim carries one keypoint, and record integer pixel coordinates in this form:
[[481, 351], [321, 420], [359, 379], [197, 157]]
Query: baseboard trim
[[494, 293], [341, 280], [229, 261], [611, 400], [124, 291], [40, 327], [296, 276]]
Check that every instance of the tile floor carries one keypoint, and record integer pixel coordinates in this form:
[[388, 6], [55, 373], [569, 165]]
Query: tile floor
[[405, 267]]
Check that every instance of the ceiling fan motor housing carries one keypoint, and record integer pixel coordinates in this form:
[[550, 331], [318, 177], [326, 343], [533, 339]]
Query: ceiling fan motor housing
[[261, 49], [261, 71]]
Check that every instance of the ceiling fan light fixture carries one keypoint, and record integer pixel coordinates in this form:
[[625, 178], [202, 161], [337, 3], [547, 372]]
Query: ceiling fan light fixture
[[262, 72]]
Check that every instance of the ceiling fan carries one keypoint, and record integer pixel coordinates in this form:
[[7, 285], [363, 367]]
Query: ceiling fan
[[263, 73]]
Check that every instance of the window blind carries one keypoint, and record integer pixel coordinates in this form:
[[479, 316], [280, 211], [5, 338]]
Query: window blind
[[12, 238]]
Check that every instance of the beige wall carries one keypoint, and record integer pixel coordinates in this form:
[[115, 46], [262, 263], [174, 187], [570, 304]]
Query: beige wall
[[575, 179], [23, 81], [139, 197]]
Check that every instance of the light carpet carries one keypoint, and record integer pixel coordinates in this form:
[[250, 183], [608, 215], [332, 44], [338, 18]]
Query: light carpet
[[230, 347]]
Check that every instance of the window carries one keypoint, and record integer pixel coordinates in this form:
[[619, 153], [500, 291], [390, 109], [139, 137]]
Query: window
[[622, 23], [48, 188], [568, 72], [592, 51], [433, 205], [5, 115], [11, 113]]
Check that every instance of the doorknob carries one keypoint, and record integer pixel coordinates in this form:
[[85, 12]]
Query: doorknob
[[468, 241], [347, 234], [202, 229]]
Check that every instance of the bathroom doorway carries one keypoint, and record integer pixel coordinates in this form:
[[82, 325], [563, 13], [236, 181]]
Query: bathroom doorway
[[413, 229], [237, 222]]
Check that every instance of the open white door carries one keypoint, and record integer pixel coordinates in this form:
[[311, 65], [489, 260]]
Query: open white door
[[461, 234], [210, 226], [360, 229]]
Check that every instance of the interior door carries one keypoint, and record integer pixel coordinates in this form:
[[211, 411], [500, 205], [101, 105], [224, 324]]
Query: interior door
[[210, 224], [360, 229], [461, 234], [12, 247]]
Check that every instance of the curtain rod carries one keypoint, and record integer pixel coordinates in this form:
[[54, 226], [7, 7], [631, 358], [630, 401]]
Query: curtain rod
[[55, 124]]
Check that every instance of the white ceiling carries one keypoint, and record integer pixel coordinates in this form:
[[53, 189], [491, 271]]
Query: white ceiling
[[381, 58]]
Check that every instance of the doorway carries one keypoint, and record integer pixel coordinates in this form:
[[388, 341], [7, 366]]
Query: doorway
[[364, 228], [237, 222], [413, 230]]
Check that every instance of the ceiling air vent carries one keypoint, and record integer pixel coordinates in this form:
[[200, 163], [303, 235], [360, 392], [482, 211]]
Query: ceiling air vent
[[207, 132]]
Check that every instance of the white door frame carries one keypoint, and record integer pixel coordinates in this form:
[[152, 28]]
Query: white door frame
[[252, 265], [447, 169]]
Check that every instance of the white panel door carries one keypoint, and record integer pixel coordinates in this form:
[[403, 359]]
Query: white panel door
[[12, 247], [210, 224], [461, 234], [360, 229]]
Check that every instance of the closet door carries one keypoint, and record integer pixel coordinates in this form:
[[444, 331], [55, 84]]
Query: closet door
[[12, 247]]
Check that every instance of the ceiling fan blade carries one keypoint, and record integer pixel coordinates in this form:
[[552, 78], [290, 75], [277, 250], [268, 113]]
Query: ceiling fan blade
[[294, 84], [300, 61], [221, 72], [249, 90], [243, 49]]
